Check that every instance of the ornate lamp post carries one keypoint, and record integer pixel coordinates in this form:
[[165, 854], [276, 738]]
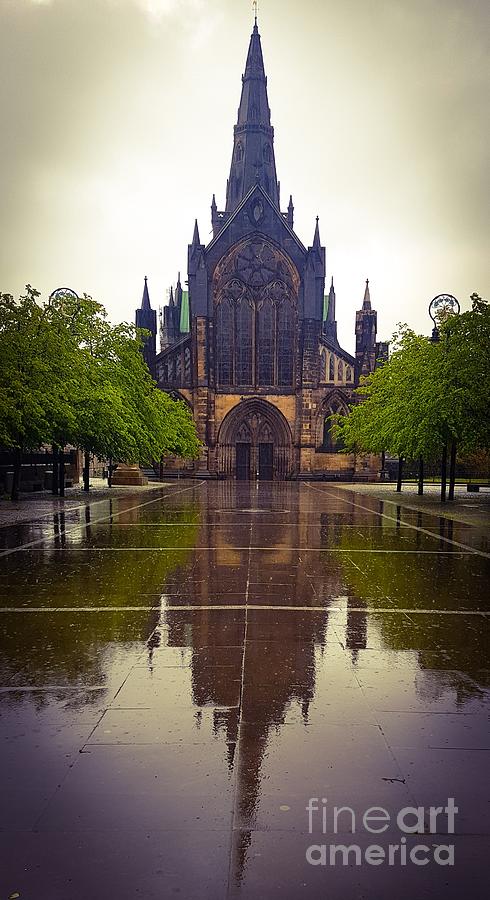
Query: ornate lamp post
[[441, 308]]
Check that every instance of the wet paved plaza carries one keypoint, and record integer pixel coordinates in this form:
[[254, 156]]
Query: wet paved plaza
[[182, 671]]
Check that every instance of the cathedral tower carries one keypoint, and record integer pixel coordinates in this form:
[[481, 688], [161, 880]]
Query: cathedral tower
[[252, 346]]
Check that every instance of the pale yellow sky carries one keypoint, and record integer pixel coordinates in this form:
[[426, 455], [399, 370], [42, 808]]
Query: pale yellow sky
[[116, 129]]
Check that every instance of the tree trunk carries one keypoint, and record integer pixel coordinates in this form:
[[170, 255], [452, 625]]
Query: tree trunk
[[86, 471], [443, 473], [421, 476], [109, 473], [400, 474], [14, 496], [55, 476], [62, 472], [452, 470]]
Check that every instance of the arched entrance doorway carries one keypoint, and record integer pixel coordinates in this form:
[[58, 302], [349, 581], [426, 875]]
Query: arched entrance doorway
[[254, 441]]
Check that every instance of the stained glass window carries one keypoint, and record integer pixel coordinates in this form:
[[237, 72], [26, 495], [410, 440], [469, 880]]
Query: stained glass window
[[265, 344], [224, 342], [243, 335], [285, 344], [331, 370], [340, 370], [323, 365]]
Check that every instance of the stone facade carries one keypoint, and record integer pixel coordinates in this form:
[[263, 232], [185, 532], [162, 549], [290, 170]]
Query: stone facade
[[252, 345]]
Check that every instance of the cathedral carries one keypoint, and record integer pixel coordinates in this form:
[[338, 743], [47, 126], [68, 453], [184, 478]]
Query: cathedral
[[250, 343]]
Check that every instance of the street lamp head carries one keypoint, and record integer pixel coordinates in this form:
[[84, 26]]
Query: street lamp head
[[443, 306], [440, 309], [61, 292]]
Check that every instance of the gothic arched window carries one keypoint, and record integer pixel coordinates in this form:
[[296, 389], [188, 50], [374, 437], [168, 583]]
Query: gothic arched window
[[265, 343], [327, 437], [323, 365], [224, 342], [340, 370], [331, 369], [330, 443], [267, 153], [255, 287], [285, 343], [348, 374], [243, 331], [239, 152]]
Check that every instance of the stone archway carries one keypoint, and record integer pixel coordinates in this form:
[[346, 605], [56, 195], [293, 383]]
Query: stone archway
[[254, 441]]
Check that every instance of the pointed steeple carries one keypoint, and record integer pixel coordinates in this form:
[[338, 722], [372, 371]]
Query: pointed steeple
[[145, 300], [316, 237], [253, 149], [330, 322], [146, 318], [171, 299], [366, 303], [195, 238], [331, 303], [290, 211]]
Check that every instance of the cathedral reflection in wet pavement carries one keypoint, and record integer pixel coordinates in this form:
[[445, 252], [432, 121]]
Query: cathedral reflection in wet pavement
[[181, 671]]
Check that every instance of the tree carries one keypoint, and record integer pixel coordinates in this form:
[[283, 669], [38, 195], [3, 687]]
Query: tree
[[69, 377], [30, 372], [427, 396], [120, 413]]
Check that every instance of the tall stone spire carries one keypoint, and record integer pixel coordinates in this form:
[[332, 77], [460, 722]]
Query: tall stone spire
[[253, 148]]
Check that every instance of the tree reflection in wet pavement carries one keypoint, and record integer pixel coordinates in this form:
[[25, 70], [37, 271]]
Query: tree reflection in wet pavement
[[181, 672]]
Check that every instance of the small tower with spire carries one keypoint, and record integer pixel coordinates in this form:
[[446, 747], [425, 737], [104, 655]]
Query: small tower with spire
[[314, 281], [366, 326], [330, 321], [146, 318]]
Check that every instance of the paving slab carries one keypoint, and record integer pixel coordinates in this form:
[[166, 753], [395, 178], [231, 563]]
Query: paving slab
[[185, 674]]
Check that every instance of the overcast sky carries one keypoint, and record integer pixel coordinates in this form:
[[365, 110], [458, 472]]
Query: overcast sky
[[116, 128]]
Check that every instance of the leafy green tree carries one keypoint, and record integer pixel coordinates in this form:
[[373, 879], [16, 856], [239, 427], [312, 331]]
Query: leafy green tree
[[120, 413], [30, 373], [69, 377], [427, 396]]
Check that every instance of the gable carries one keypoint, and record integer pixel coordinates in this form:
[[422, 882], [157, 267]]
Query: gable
[[256, 214]]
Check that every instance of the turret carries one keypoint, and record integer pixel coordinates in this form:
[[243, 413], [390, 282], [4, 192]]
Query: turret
[[314, 284], [330, 322], [146, 318], [366, 324]]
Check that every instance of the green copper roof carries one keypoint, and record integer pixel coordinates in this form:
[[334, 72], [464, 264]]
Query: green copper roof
[[325, 307], [184, 313]]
